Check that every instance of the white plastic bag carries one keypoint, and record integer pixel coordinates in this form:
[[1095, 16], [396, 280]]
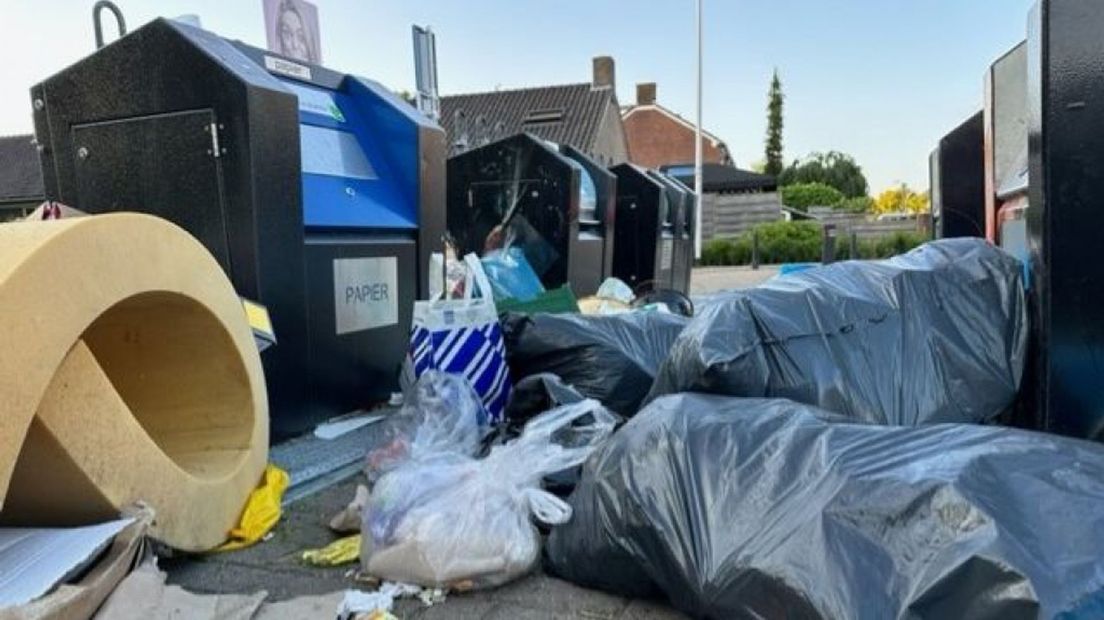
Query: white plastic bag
[[440, 415], [448, 520]]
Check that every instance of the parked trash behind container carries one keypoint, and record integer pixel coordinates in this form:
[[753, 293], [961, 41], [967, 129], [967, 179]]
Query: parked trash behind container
[[766, 508], [441, 414], [935, 335], [448, 520], [612, 359]]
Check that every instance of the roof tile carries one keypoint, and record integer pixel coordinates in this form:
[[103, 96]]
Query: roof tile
[[20, 174], [485, 117]]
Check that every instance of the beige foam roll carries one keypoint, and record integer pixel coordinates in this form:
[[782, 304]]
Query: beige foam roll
[[127, 373]]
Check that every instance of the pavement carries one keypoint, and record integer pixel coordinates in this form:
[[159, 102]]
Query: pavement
[[714, 279], [274, 566]]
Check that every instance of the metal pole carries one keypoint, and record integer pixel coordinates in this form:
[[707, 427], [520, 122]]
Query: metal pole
[[828, 244], [698, 146]]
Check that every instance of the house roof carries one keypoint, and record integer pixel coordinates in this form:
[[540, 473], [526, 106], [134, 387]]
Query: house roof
[[628, 111], [718, 178], [20, 175], [568, 114]]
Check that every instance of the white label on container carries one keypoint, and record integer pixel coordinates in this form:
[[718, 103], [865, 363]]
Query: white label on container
[[286, 67], [365, 293], [666, 253]]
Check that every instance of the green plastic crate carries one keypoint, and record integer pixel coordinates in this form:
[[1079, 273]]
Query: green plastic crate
[[556, 301]]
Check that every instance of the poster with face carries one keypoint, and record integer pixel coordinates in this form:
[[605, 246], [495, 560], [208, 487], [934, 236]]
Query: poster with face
[[291, 27]]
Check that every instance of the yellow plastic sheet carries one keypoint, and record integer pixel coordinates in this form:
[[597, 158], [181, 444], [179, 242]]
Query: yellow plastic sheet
[[262, 510], [340, 551]]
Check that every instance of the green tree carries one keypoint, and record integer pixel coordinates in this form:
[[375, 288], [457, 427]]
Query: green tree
[[774, 127], [832, 168], [861, 204], [801, 196]]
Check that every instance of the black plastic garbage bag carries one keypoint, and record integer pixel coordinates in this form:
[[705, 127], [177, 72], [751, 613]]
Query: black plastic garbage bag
[[757, 508], [612, 359], [935, 335], [535, 394], [531, 397]]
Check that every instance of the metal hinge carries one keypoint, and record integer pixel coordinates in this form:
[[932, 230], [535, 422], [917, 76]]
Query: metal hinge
[[213, 130]]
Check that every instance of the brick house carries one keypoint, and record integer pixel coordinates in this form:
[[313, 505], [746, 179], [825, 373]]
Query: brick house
[[584, 115], [659, 137], [21, 187]]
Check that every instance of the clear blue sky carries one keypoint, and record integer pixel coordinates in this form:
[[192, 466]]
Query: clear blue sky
[[880, 79]]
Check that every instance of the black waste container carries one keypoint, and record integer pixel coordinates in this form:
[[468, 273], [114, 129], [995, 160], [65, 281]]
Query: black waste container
[[321, 194], [644, 229], [524, 192]]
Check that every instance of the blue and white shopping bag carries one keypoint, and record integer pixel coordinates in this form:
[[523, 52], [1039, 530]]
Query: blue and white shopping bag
[[463, 337]]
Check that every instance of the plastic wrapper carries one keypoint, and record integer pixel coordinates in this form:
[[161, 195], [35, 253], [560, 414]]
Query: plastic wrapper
[[612, 359], [532, 396], [510, 275], [766, 508], [935, 335], [452, 521], [616, 289], [441, 414]]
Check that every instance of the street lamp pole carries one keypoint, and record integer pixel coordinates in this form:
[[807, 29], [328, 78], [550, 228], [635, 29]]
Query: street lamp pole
[[698, 146]]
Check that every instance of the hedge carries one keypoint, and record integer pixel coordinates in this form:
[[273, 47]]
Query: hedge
[[800, 242]]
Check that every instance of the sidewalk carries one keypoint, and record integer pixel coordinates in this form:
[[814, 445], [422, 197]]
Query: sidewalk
[[712, 279], [274, 566]]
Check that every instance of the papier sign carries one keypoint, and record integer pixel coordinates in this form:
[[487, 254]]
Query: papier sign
[[365, 293]]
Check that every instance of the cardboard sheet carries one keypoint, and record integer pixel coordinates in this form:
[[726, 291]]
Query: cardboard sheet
[[34, 560]]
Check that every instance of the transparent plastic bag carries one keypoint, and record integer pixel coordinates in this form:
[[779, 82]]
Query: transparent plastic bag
[[450, 520], [441, 414]]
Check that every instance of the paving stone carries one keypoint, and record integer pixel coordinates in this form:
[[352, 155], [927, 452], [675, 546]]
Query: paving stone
[[457, 607], [539, 591], [650, 610], [223, 578], [507, 611]]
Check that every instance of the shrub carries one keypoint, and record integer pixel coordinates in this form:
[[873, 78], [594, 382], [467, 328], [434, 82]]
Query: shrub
[[883, 247], [800, 242], [862, 204], [789, 242], [801, 196], [715, 252], [727, 251]]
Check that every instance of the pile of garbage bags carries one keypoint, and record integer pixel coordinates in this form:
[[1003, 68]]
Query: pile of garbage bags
[[935, 335], [766, 508], [807, 449], [612, 359], [440, 517]]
